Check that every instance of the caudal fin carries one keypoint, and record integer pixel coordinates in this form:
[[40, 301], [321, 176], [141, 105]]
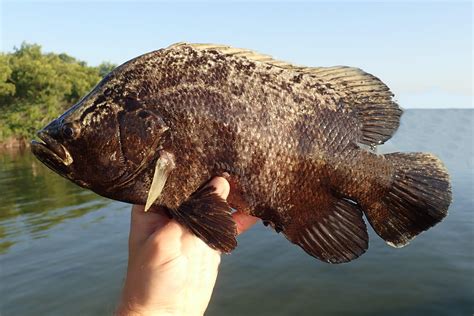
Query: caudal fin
[[418, 199]]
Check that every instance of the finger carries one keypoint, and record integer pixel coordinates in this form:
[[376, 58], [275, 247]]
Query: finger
[[243, 221], [222, 187], [143, 224]]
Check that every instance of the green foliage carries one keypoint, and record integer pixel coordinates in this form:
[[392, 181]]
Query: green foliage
[[36, 87], [6, 88], [105, 68]]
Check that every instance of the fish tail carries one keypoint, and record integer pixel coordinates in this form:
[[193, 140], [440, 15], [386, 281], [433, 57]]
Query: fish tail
[[418, 198]]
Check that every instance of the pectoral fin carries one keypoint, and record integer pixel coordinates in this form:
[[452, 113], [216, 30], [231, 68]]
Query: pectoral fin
[[209, 217], [163, 167]]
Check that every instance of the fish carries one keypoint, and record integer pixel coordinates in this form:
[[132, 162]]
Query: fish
[[298, 146]]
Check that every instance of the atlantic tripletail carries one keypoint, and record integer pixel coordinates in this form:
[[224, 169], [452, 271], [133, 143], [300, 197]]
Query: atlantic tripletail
[[297, 145]]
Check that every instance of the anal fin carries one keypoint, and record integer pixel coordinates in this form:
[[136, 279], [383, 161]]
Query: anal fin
[[334, 234], [209, 217]]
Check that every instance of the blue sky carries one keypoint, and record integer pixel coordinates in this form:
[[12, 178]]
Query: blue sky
[[422, 50]]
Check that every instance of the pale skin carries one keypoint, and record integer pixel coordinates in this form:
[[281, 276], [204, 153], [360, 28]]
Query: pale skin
[[170, 270]]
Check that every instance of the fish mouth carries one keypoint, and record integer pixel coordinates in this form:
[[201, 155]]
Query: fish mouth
[[51, 152]]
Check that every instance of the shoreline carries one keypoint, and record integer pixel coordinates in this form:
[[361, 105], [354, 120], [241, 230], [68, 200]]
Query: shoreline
[[14, 144]]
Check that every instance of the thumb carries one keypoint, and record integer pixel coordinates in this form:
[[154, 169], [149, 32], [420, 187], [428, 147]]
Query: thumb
[[222, 187], [242, 221]]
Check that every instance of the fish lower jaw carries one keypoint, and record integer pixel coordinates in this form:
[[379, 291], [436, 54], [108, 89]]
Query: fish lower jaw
[[54, 156]]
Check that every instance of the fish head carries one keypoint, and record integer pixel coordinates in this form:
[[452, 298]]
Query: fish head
[[105, 141]]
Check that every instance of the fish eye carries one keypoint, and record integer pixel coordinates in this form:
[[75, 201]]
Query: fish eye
[[70, 131]]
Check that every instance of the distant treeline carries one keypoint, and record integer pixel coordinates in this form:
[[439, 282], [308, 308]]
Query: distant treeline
[[36, 87]]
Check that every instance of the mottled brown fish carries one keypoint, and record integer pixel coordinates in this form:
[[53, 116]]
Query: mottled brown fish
[[295, 143]]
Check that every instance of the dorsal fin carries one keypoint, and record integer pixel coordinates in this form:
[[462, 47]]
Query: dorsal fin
[[364, 95], [368, 97], [240, 52]]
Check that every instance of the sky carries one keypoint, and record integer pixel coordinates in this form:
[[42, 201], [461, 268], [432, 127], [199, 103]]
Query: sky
[[421, 50]]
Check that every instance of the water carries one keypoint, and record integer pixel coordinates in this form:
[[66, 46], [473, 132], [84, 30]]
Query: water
[[63, 250]]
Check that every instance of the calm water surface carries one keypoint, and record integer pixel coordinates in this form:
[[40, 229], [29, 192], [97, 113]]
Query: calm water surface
[[63, 250]]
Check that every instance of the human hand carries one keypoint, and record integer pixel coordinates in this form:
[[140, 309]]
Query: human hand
[[170, 270]]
